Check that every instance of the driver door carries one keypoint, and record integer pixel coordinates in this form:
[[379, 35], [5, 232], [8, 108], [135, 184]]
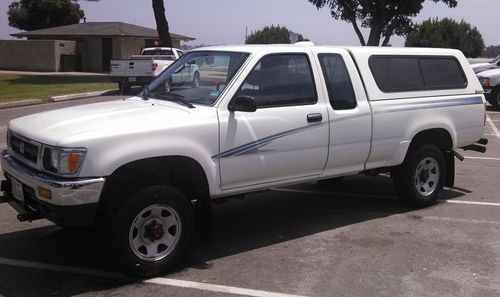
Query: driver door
[[286, 137]]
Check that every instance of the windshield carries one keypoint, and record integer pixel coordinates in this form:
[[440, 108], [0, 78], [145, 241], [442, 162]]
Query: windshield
[[197, 77]]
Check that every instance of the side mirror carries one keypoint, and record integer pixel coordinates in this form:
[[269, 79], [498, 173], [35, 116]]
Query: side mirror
[[243, 103]]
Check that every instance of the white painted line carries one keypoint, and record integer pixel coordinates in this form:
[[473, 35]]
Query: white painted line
[[482, 158], [457, 220], [489, 134], [157, 281], [495, 120], [470, 202], [495, 129], [215, 288]]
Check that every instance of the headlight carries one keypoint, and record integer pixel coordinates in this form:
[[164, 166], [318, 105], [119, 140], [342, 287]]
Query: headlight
[[485, 81], [63, 161]]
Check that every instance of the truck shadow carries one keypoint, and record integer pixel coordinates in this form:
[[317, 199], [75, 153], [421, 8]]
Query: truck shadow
[[260, 220]]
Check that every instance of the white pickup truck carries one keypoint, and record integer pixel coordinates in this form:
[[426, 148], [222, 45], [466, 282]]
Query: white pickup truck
[[145, 170], [491, 64], [490, 80], [142, 69]]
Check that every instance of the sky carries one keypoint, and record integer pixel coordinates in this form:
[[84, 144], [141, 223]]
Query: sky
[[227, 21]]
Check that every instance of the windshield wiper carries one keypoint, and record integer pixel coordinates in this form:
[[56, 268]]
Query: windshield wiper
[[174, 97]]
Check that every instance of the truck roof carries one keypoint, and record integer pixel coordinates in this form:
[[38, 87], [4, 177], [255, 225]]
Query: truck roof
[[356, 50]]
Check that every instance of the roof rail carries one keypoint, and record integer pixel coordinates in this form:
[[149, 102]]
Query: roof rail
[[304, 43]]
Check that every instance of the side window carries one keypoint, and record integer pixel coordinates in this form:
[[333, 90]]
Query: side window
[[338, 81], [442, 73], [180, 53], [397, 73], [280, 80], [417, 73]]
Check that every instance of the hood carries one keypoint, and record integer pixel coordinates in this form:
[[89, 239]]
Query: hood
[[53, 126], [489, 73]]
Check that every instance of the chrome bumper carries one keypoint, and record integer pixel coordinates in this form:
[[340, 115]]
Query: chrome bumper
[[64, 192]]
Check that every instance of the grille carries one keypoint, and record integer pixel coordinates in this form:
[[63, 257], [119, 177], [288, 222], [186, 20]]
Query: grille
[[25, 149]]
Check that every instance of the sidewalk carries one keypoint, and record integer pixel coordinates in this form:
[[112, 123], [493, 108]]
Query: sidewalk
[[15, 72]]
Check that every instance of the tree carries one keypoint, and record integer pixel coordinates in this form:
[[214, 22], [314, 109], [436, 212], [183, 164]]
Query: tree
[[447, 33], [491, 51], [161, 23], [39, 14], [271, 34], [385, 18]]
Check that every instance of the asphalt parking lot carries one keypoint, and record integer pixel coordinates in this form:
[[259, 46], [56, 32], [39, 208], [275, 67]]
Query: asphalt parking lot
[[350, 239]]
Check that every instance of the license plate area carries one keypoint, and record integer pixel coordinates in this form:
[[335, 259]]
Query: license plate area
[[17, 190], [132, 79]]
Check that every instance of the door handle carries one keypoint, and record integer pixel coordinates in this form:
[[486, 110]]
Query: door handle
[[314, 117]]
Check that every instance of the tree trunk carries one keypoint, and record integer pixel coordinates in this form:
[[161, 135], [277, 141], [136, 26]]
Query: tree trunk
[[161, 23], [375, 34], [358, 32]]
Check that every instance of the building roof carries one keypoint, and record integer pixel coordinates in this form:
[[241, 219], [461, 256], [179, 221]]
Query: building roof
[[101, 29]]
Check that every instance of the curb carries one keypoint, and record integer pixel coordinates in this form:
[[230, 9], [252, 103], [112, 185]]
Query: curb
[[21, 103], [77, 96], [29, 102]]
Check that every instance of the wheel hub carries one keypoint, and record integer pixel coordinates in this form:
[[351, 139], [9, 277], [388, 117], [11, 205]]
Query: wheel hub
[[153, 231]]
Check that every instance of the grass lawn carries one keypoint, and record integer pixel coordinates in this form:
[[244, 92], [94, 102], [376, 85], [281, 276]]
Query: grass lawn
[[18, 87]]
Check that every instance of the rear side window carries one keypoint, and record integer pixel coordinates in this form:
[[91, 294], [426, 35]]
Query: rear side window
[[338, 81], [401, 73]]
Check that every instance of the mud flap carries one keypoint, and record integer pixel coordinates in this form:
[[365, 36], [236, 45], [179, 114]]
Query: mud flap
[[450, 169]]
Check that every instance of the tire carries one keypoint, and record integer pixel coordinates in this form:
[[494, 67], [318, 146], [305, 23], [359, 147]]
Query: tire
[[124, 88], [494, 98], [196, 81], [152, 231], [420, 179]]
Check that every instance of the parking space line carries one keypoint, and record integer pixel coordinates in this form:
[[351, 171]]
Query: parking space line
[[458, 220], [471, 202], [157, 281], [495, 129], [215, 288], [482, 158]]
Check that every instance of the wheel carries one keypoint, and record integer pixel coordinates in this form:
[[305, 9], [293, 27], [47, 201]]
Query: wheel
[[152, 231], [124, 88], [494, 98], [419, 180], [196, 80]]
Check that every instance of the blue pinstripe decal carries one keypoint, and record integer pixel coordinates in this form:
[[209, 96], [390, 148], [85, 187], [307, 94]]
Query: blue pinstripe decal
[[406, 106], [252, 146]]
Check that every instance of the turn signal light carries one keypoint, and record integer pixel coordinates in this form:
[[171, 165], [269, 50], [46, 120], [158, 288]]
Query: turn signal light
[[45, 193], [73, 162]]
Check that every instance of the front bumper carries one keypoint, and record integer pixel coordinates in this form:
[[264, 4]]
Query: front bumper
[[73, 202]]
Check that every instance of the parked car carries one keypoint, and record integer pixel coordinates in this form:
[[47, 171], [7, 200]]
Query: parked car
[[145, 170], [493, 63], [142, 69], [490, 81]]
